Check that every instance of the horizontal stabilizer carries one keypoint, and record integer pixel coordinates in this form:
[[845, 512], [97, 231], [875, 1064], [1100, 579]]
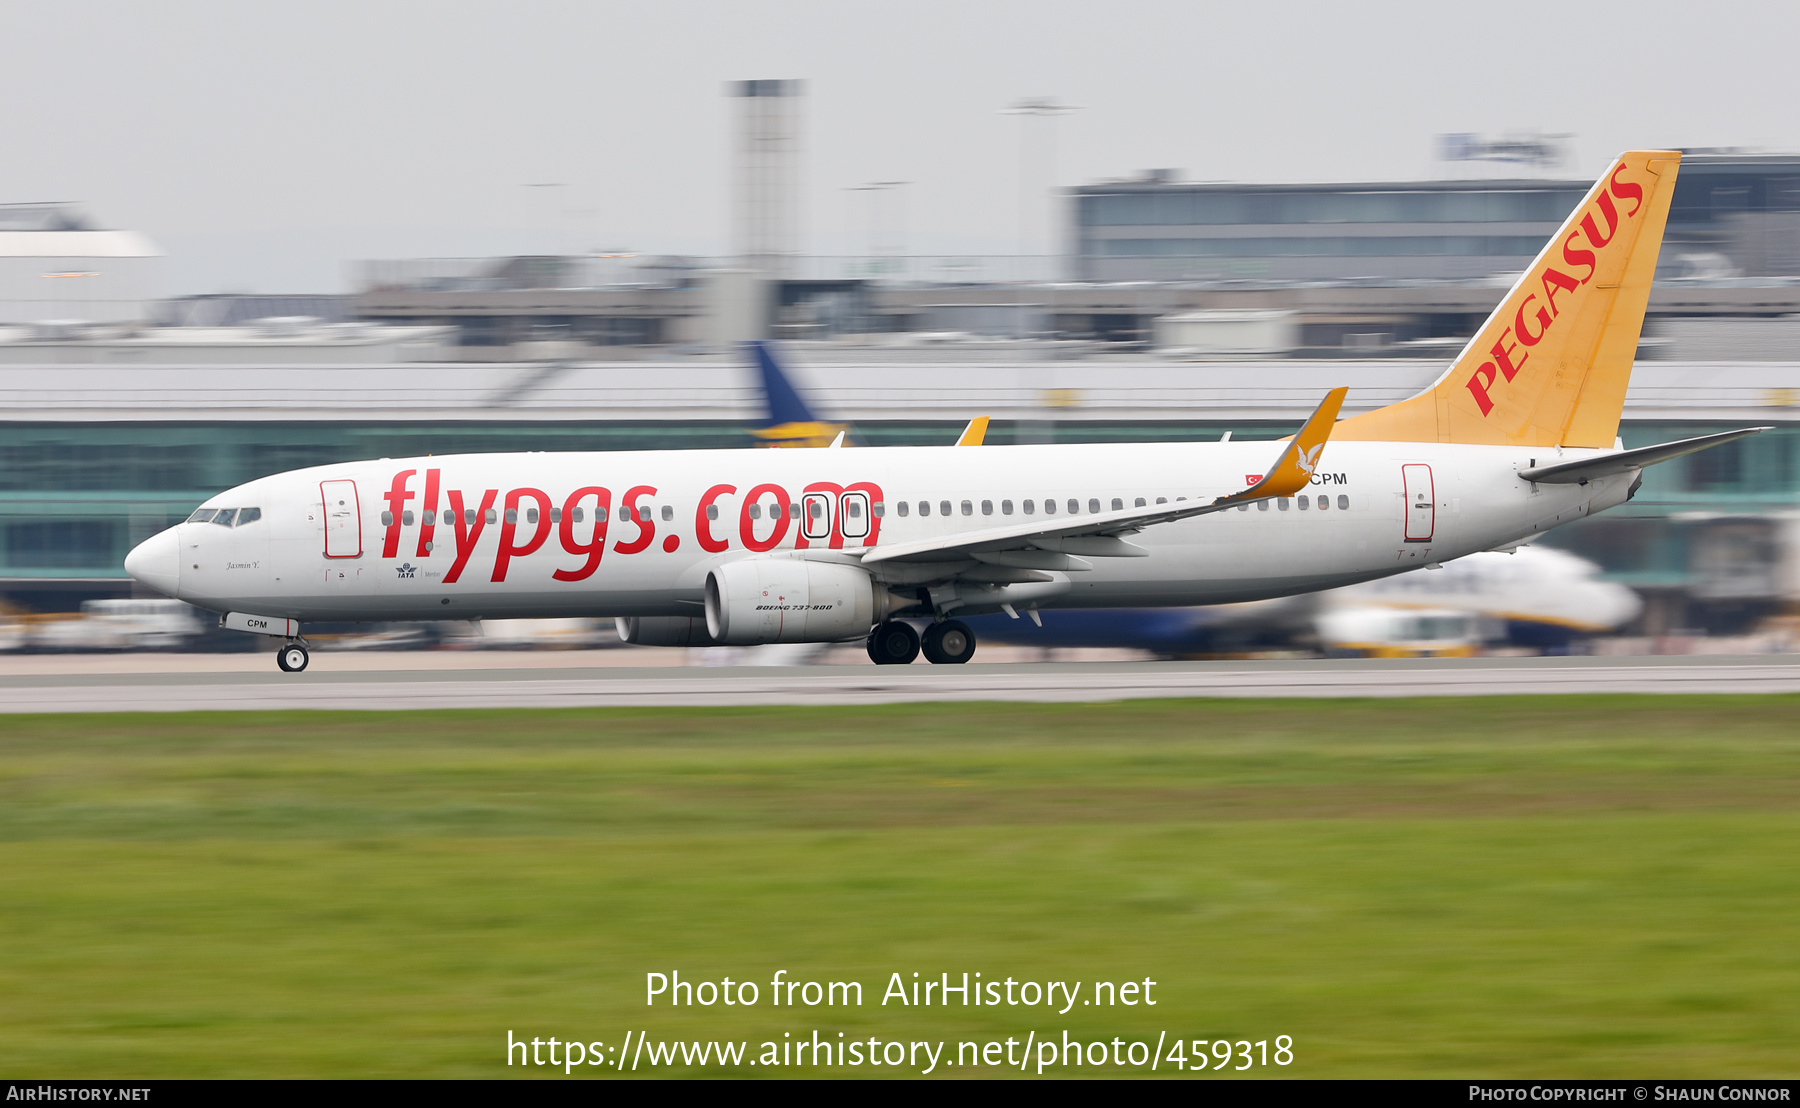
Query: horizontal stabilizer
[[1580, 473]]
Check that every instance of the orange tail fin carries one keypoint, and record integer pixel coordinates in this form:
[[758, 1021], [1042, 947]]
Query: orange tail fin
[[1550, 366]]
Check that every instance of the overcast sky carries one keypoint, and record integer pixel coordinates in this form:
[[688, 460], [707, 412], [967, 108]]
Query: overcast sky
[[265, 145]]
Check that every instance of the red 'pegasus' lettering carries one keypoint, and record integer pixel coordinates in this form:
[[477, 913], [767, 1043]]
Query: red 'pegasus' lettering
[[1503, 352], [468, 531], [428, 521], [1554, 279], [1625, 190], [1519, 328], [509, 528], [1478, 384], [1612, 221], [1576, 257], [397, 496], [640, 517], [747, 526], [703, 521], [595, 547]]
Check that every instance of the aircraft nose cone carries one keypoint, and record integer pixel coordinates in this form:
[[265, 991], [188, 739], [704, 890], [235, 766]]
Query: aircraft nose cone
[[156, 562]]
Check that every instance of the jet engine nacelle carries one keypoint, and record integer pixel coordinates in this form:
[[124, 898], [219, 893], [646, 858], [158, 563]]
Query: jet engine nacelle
[[663, 631], [769, 600]]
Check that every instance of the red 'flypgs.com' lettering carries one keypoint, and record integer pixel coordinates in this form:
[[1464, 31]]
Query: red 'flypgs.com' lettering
[[1507, 359], [588, 512]]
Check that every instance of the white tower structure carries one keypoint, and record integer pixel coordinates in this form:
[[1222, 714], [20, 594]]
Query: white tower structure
[[766, 181]]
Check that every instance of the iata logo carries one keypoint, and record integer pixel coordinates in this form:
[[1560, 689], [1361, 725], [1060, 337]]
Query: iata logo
[[1507, 358], [406, 570]]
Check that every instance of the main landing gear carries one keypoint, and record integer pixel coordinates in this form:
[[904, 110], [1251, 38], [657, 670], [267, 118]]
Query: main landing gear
[[950, 643], [894, 643], [292, 657]]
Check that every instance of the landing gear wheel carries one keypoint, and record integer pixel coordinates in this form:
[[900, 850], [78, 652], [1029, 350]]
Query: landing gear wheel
[[292, 658], [893, 644], [950, 643]]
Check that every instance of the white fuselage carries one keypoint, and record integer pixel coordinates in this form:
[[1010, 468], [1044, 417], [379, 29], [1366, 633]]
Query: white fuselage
[[503, 539]]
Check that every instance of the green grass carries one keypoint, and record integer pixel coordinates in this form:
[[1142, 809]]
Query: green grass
[[1554, 886]]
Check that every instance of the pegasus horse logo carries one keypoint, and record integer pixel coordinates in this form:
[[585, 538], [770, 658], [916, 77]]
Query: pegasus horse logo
[[1308, 460]]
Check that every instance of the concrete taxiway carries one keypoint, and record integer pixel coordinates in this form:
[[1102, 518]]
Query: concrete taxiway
[[419, 681]]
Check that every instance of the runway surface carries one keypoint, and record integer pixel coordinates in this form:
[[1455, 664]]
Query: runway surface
[[411, 682]]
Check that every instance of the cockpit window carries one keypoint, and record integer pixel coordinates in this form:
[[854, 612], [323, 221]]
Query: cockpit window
[[226, 517]]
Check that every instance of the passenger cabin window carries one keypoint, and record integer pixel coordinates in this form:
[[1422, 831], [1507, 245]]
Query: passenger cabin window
[[968, 509], [1094, 506], [668, 512], [1075, 506], [1118, 504], [924, 507], [1282, 504], [1138, 503], [712, 511], [556, 515], [943, 507], [1343, 503], [387, 519], [244, 516], [880, 509], [1162, 500], [987, 507], [531, 515], [1262, 505], [493, 516], [1305, 502], [1049, 507], [853, 505], [904, 507], [512, 515], [1006, 507], [1030, 507]]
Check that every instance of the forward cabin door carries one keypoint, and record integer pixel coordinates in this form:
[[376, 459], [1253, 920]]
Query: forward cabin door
[[1421, 502], [343, 519]]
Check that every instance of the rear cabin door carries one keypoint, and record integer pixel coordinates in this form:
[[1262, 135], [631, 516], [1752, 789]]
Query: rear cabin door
[[343, 519], [1421, 502]]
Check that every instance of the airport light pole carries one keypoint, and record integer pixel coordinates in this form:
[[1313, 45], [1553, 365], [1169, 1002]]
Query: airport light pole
[[1045, 108], [875, 189]]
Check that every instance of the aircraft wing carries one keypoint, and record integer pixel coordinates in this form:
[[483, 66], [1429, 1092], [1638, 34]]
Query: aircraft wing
[[1580, 473], [1046, 544]]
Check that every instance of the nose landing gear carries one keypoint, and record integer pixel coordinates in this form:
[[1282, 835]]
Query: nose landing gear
[[292, 657]]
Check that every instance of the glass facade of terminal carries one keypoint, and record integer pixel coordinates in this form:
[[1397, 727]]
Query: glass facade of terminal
[[1738, 211]]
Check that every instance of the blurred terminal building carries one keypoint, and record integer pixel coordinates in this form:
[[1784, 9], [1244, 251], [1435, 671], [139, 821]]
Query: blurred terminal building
[[1178, 311]]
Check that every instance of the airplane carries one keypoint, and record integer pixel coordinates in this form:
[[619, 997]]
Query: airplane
[[745, 547], [791, 423], [1536, 596]]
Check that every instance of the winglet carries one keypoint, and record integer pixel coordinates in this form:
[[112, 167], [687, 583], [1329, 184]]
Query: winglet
[[1294, 469], [974, 432]]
